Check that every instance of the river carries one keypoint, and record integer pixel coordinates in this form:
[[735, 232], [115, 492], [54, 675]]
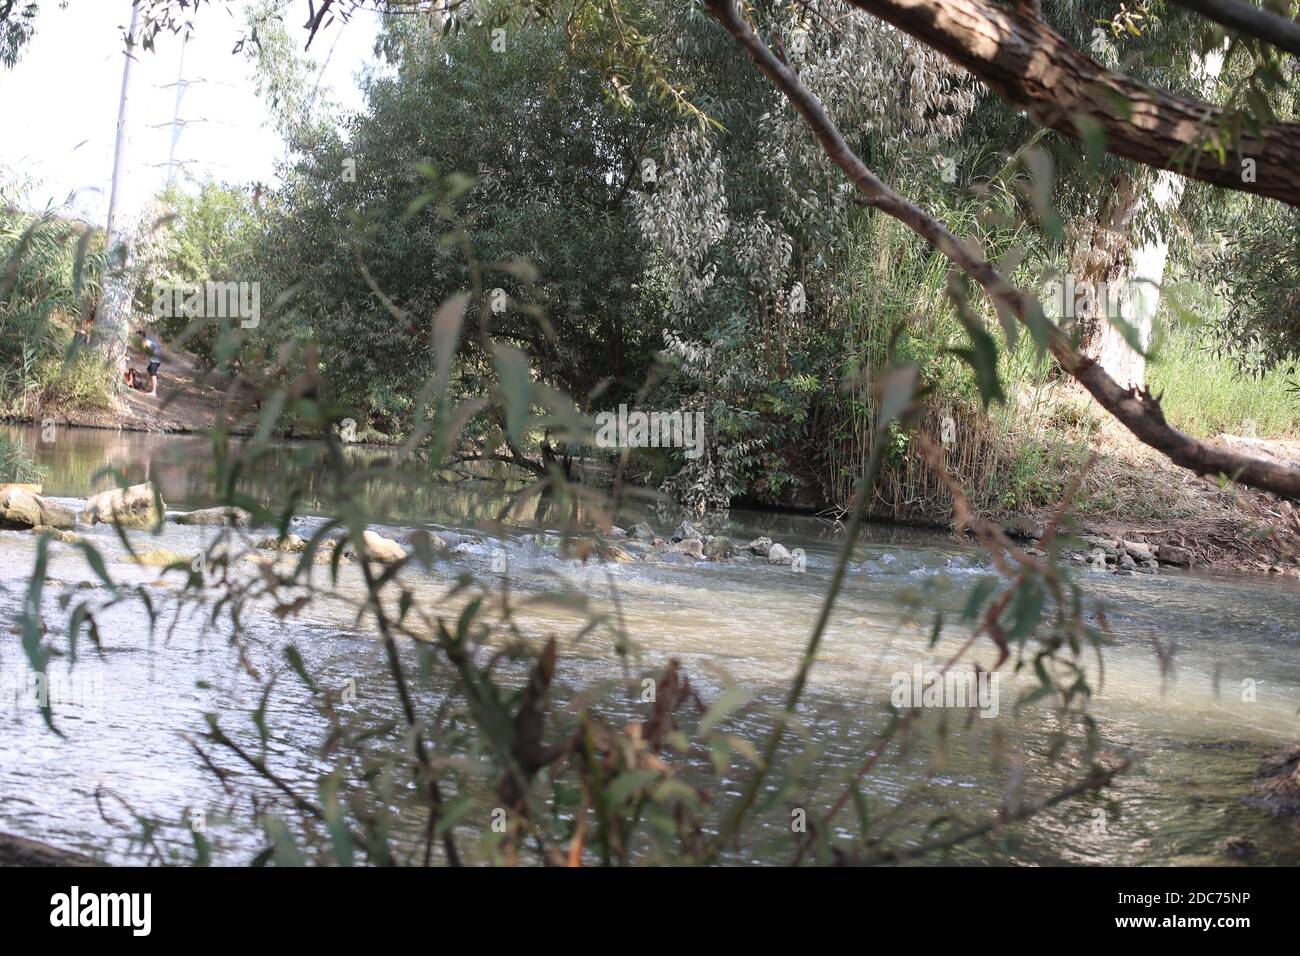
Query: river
[[1194, 735]]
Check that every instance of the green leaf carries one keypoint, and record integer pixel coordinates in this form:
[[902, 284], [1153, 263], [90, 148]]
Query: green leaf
[[1093, 136], [516, 382], [731, 699]]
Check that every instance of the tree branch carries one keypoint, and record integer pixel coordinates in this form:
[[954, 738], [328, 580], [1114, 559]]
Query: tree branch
[[1135, 408], [1245, 18], [1034, 68]]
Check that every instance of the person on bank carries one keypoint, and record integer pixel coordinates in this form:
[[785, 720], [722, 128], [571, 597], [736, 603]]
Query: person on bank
[[154, 353]]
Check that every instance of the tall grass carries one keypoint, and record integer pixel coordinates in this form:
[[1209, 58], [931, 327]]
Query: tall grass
[[49, 283], [1204, 394], [15, 466]]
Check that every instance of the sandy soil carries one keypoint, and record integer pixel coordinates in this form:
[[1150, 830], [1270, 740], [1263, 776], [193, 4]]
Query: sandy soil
[[1224, 525], [188, 400]]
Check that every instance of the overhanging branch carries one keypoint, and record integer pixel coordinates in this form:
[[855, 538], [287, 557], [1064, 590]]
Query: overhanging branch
[[1034, 68]]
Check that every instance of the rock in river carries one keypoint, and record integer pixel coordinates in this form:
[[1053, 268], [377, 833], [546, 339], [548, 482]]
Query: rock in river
[[718, 548], [693, 547], [612, 552], [760, 546], [1277, 783], [235, 517], [291, 544], [130, 507], [21, 508], [778, 555], [381, 548], [685, 532]]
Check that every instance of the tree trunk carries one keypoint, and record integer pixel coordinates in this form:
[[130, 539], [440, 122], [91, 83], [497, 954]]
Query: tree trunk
[[1034, 68], [110, 331], [1134, 275]]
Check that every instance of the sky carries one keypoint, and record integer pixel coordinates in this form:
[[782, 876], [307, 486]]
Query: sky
[[60, 102]]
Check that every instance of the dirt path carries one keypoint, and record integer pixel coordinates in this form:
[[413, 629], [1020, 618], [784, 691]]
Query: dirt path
[[187, 401]]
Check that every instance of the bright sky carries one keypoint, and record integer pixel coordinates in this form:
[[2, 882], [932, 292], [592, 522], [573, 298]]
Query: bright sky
[[60, 102]]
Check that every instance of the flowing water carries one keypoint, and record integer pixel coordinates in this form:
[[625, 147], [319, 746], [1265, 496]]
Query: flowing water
[[1194, 730]]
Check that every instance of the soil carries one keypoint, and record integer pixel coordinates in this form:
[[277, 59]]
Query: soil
[[188, 400], [1225, 526]]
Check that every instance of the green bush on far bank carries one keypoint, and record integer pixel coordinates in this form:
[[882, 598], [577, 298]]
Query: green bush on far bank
[[47, 298]]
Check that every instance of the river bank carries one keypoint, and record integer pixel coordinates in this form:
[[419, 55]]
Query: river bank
[[1129, 493]]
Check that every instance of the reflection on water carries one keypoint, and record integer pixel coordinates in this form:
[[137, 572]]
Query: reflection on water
[[1194, 738]]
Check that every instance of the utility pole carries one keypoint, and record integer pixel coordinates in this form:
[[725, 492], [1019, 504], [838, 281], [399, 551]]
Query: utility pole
[[181, 86], [110, 331]]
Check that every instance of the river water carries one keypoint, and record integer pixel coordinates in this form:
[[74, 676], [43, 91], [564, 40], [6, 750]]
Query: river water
[[1193, 732]]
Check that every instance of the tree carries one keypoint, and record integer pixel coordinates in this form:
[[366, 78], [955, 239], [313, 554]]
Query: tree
[[17, 26], [542, 171]]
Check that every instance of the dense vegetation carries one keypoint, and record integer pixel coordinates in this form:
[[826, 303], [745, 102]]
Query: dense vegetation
[[508, 239], [704, 261]]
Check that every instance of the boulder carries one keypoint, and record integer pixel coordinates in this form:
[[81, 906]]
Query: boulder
[[380, 548], [642, 532], [290, 544], [23, 509], [33, 487], [1172, 554], [1126, 562], [778, 554], [615, 532], [718, 548], [692, 547], [1109, 545], [437, 543], [685, 532], [1139, 551], [129, 507], [160, 558], [235, 517], [1023, 528], [760, 546], [612, 552], [1239, 847]]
